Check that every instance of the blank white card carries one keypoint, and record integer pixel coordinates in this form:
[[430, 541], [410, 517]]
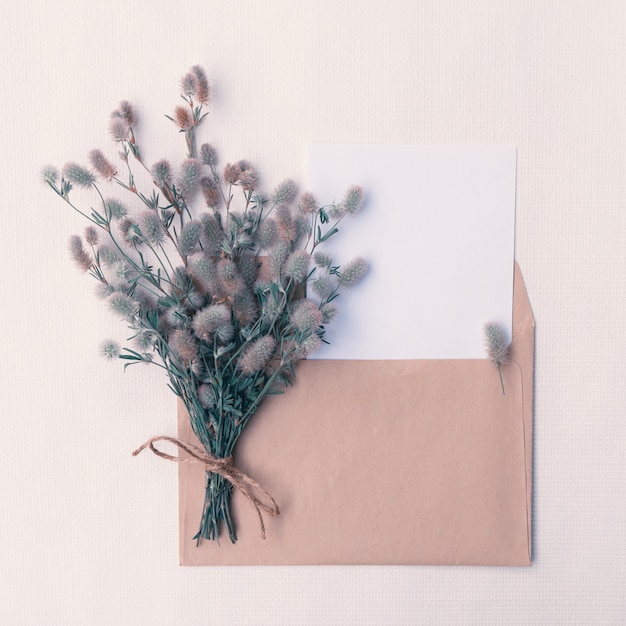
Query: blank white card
[[437, 230]]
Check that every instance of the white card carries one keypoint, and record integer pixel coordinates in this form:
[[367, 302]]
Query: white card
[[437, 230]]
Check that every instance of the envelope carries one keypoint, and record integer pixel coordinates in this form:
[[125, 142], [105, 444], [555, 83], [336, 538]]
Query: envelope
[[384, 462]]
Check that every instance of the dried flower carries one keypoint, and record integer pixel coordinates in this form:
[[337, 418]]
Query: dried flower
[[353, 272], [127, 113], [144, 340], [80, 256], [210, 192], [287, 227], [285, 192], [306, 345], [49, 174], [151, 227], [203, 91], [188, 178], [322, 259], [353, 200], [78, 175], [119, 273], [189, 237], [183, 117], [189, 84], [102, 165], [308, 203], [322, 286], [162, 173], [91, 235], [206, 395], [257, 355], [130, 232], [213, 320], [277, 257], [306, 316], [208, 155], [119, 128], [245, 307], [195, 84], [231, 173], [184, 346], [103, 291], [108, 255], [297, 265], [240, 173], [194, 299], [247, 177], [115, 208], [203, 271], [248, 268], [123, 306], [175, 316], [336, 211], [267, 233], [213, 234], [497, 347], [229, 277], [329, 312], [109, 349]]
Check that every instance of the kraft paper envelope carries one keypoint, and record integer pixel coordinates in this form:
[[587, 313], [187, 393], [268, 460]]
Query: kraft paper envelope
[[385, 462]]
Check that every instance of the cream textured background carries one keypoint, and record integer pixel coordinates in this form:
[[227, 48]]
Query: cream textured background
[[88, 535]]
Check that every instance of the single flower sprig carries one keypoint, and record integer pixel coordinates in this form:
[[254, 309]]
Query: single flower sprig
[[497, 347]]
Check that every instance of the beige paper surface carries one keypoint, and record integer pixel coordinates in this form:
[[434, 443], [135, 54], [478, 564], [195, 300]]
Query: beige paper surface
[[385, 462]]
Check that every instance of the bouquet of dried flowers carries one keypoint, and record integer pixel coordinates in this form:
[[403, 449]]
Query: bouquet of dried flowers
[[226, 328]]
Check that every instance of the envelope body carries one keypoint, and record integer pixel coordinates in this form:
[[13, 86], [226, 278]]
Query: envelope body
[[384, 462]]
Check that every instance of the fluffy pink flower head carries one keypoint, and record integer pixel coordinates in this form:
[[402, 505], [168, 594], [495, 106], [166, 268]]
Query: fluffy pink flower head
[[102, 165], [127, 113], [496, 345], [188, 177], [79, 254], [210, 192], [184, 345], [119, 128], [203, 90], [78, 175], [353, 272], [194, 84], [308, 203], [306, 316], [183, 117], [257, 355]]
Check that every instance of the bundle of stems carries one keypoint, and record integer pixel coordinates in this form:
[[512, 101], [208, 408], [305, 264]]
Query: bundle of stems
[[225, 301]]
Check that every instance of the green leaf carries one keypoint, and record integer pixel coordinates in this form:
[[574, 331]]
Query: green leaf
[[176, 392], [98, 218], [136, 354], [233, 411], [244, 384], [328, 235]]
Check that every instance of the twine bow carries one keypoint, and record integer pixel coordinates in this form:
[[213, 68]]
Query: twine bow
[[222, 466]]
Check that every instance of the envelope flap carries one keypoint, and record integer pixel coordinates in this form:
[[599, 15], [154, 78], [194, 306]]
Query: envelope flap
[[522, 312]]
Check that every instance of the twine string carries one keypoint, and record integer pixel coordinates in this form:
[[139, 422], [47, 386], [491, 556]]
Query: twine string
[[247, 486]]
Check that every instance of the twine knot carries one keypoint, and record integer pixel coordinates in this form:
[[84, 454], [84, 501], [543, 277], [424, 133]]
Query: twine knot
[[222, 466]]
